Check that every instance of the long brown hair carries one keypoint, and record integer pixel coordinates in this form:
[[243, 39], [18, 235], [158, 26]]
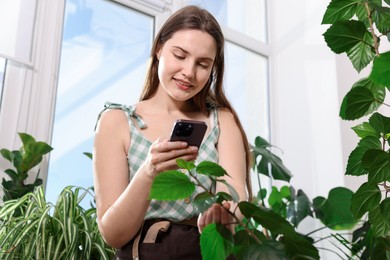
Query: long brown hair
[[195, 18]]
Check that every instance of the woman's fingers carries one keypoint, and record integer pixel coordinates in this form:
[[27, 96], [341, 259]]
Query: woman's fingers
[[164, 154], [216, 214]]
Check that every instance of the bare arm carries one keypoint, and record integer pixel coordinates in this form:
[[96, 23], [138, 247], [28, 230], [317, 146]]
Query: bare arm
[[232, 158], [122, 205]]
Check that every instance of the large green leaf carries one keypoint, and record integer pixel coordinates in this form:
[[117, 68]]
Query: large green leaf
[[26, 139], [381, 248], [211, 169], [358, 102], [270, 160], [385, 209], [278, 199], [171, 185], [380, 123], [299, 208], [366, 198], [336, 210], [300, 247], [362, 53], [365, 129], [203, 201], [243, 239], [267, 218], [216, 242], [339, 10], [369, 157], [344, 35], [380, 73], [269, 250], [381, 17], [354, 165], [380, 169], [378, 222]]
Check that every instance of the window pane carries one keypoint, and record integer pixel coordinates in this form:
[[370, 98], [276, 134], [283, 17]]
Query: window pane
[[248, 17], [246, 83], [16, 28], [105, 49], [2, 74]]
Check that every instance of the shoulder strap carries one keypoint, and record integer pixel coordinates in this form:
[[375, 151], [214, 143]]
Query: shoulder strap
[[129, 111]]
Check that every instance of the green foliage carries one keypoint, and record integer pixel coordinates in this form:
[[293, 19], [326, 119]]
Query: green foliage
[[46, 231], [268, 231], [23, 160], [357, 27]]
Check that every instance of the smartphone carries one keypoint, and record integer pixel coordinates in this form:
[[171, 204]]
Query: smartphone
[[189, 131]]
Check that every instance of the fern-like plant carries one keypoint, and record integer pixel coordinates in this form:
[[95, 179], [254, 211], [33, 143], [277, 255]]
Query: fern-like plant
[[43, 230]]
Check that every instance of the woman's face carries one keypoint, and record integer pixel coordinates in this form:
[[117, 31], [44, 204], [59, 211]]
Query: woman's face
[[185, 63]]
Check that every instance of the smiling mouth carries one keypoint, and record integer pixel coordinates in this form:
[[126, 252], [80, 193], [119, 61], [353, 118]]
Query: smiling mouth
[[183, 85]]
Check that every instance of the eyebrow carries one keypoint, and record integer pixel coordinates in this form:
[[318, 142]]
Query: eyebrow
[[186, 52]]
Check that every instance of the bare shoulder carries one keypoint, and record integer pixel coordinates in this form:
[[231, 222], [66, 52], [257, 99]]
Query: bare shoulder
[[112, 120], [226, 118]]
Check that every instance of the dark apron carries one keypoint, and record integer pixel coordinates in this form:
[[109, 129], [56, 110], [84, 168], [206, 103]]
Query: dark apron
[[164, 240]]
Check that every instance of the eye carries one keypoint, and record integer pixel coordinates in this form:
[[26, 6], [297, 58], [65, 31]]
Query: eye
[[179, 57], [204, 65]]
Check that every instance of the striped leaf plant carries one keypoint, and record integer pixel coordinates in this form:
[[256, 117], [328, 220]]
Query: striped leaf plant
[[43, 230]]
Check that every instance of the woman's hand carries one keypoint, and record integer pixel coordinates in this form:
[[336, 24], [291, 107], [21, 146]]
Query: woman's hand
[[216, 214], [163, 154]]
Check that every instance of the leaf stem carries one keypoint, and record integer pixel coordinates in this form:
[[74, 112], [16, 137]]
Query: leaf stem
[[369, 15]]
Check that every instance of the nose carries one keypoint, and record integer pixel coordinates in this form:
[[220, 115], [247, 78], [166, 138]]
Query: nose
[[189, 70]]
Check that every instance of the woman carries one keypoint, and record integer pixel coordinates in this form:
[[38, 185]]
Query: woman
[[184, 81]]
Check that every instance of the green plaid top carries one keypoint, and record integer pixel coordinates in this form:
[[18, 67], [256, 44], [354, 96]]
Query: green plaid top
[[139, 148]]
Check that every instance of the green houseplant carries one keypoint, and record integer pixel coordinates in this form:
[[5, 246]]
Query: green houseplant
[[26, 158], [269, 229], [31, 227], [43, 230], [357, 28]]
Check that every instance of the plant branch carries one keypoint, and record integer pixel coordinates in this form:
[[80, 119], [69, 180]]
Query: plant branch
[[369, 15]]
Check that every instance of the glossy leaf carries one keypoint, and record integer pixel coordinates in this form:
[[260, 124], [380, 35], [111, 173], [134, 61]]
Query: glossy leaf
[[261, 142], [270, 160], [381, 17], [267, 218], [299, 208], [339, 10], [354, 165], [7, 154], [171, 185], [278, 199], [385, 209], [380, 123], [380, 169], [344, 35], [362, 15], [380, 73], [362, 53], [336, 209], [300, 247], [269, 250], [369, 157], [358, 102], [366, 198], [216, 242], [203, 201], [210, 169], [26, 139], [223, 196], [365, 129], [187, 165], [378, 222]]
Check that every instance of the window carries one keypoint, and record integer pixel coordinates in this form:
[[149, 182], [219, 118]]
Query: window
[[104, 53], [246, 78]]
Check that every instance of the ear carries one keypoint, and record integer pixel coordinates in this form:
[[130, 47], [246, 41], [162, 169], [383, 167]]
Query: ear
[[158, 53]]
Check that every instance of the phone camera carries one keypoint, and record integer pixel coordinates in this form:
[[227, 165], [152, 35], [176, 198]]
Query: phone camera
[[184, 129]]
